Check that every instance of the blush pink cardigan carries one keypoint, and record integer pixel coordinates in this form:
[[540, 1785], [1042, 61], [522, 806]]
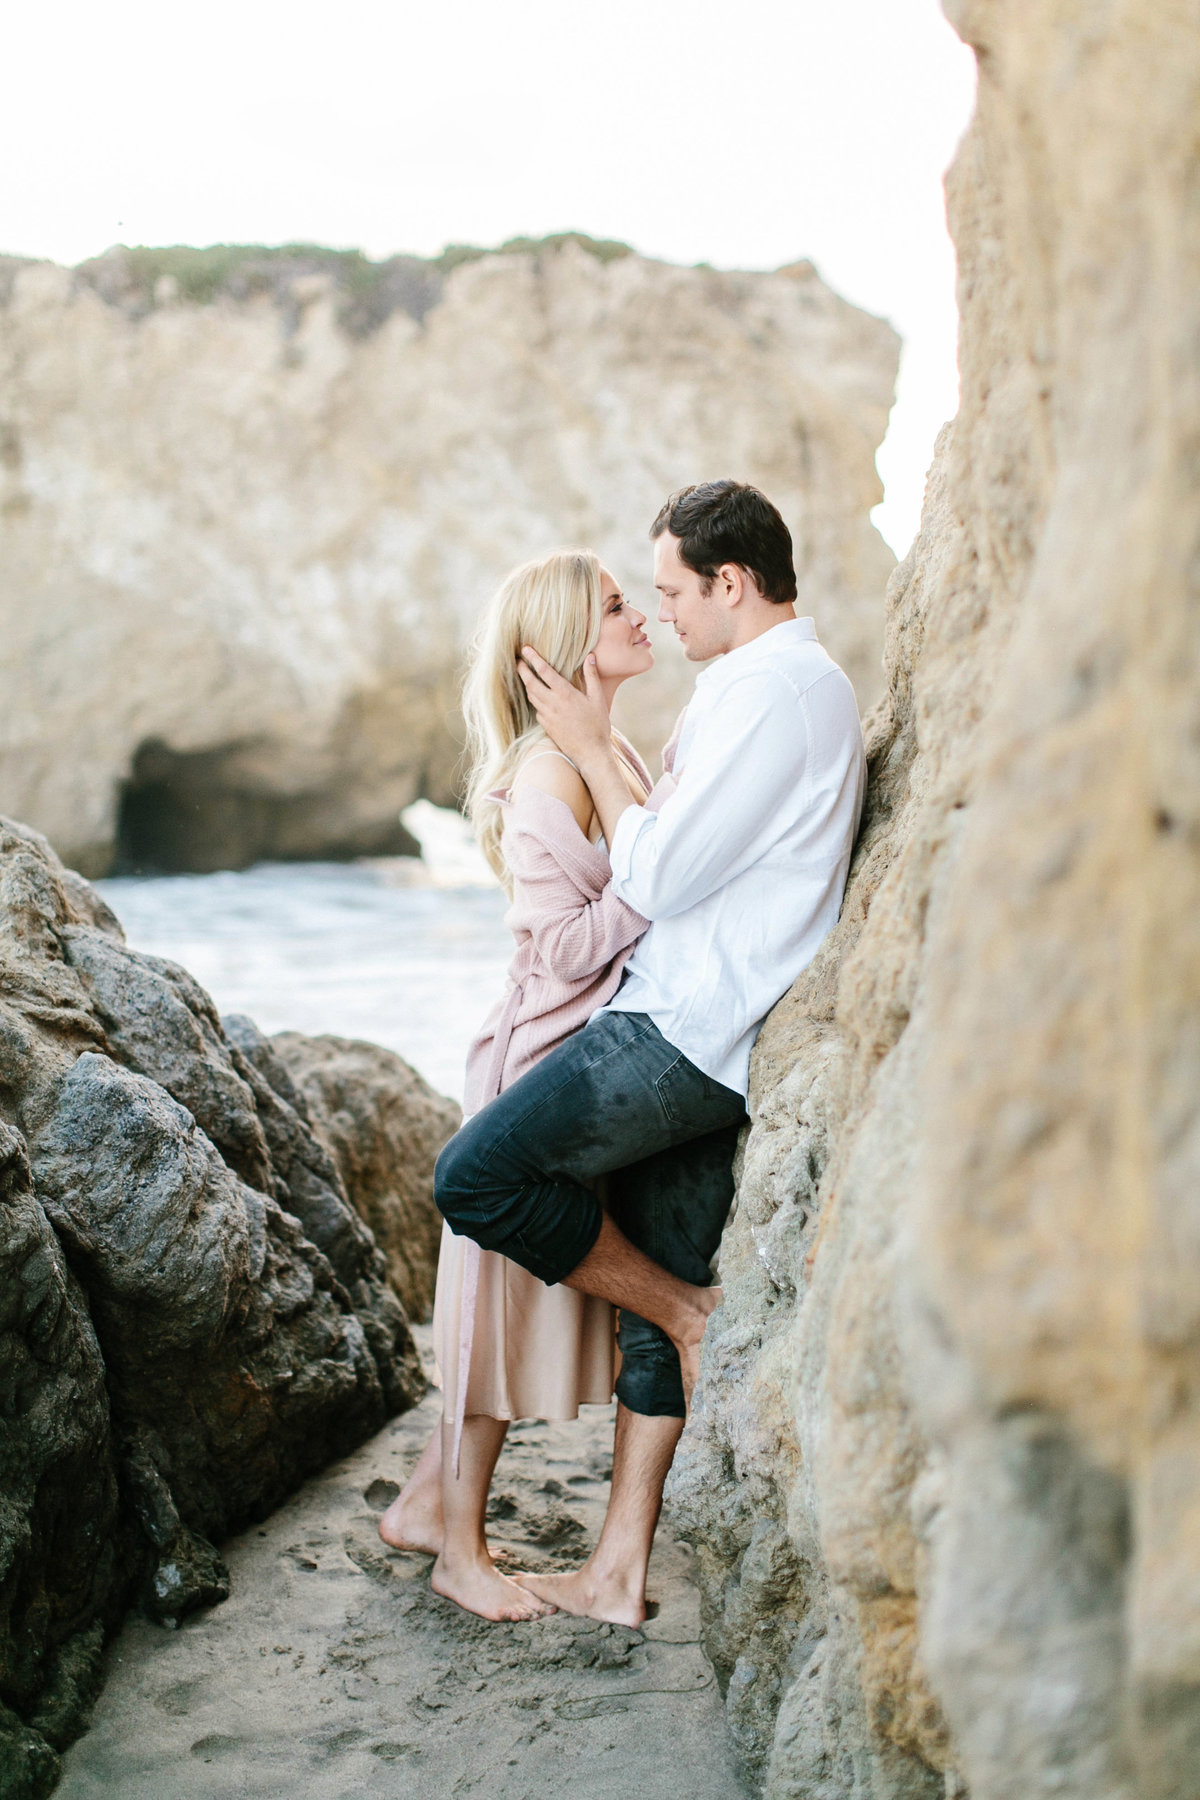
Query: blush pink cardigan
[[573, 939]]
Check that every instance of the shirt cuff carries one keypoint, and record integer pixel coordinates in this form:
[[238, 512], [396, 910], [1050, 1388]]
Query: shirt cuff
[[630, 826]]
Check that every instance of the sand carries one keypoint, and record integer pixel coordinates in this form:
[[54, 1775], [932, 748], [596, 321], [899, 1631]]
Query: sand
[[333, 1671]]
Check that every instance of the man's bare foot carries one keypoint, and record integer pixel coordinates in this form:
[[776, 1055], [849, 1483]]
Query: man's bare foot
[[590, 1596], [688, 1346], [481, 1589]]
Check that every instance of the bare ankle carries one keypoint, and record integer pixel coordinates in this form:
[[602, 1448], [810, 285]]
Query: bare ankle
[[409, 1525], [462, 1556]]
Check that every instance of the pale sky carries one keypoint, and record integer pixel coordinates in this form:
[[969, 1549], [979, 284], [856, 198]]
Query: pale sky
[[746, 136]]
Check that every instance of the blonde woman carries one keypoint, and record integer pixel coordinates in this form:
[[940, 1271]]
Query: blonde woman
[[507, 1346]]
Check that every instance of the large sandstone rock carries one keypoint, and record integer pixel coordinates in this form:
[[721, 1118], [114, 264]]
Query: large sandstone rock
[[383, 1125], [193, 1317], [944, 1472], [253, 503]]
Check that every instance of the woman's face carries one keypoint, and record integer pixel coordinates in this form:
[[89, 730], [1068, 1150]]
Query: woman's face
[[622, 649]]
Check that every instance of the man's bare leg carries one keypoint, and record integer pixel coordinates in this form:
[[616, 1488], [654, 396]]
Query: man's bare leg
[[611, 1584], [464, 1571], [615, 1270]]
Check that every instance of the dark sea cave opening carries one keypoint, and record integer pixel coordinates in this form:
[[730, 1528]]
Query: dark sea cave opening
[[194, 812]]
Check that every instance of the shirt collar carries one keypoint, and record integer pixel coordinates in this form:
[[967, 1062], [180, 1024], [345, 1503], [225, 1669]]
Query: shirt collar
[[759, 649]]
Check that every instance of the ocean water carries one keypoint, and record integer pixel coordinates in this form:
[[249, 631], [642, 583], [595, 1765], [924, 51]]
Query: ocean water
[[408, 954]]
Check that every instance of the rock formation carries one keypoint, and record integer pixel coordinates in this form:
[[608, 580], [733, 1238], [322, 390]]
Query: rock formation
[[383, 1125], [193, 1317], [253, 502], [944, 1472]]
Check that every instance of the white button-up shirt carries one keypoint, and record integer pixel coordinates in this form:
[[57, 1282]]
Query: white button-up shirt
[[742, 870]]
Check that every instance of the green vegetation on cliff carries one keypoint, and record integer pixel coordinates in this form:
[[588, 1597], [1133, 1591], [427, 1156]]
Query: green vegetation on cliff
[[139, 277]]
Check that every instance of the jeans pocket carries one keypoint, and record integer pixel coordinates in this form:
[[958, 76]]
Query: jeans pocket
[[690, 1100]]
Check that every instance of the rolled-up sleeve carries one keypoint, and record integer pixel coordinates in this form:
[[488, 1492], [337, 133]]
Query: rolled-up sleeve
[[742, 766], [630, 826]]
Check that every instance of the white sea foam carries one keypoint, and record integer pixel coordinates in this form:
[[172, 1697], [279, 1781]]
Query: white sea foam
[[406, 953]]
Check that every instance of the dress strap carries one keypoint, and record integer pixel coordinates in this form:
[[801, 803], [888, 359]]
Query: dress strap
[[549, 751]]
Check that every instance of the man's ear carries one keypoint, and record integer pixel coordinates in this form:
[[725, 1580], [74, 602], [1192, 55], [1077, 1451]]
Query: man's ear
[[732, 581]]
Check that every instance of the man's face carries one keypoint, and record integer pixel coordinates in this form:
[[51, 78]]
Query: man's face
[[702, 625]]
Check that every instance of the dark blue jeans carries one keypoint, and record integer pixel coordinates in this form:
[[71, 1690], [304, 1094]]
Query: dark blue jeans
[[615, 1100]]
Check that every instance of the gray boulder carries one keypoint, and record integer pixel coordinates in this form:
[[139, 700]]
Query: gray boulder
[[383, 1126], [194, 1316]]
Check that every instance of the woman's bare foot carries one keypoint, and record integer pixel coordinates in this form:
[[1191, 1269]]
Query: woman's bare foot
[[479, 1588], [415, 1520], [589, 1595], [413, 1524], [406, 1526]]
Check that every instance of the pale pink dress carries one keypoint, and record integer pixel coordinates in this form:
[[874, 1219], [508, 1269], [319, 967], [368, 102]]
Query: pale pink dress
[[528, 1350]]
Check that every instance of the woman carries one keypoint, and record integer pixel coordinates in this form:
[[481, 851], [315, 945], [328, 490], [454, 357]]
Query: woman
[[507, 1346]]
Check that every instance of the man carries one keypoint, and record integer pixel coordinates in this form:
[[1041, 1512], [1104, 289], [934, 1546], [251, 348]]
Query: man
[[741, 874]]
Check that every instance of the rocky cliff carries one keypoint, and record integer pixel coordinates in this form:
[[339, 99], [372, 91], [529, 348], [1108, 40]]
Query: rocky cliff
[[193, 1316], [252, 502], [944, 1474]]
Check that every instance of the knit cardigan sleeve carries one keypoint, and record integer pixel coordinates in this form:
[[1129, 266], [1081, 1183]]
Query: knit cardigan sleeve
[[561, 890]]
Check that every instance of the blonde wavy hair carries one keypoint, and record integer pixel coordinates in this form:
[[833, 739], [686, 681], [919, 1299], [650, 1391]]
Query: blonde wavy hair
[[556, 605]]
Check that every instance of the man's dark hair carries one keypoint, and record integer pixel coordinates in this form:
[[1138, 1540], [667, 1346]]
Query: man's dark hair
[[720, 522]]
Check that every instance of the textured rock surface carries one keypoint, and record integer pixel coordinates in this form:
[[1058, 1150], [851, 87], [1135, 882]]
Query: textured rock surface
[[59, 1515], [944, 1475], [383, 1126], [243, 540], [193, 1317]]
